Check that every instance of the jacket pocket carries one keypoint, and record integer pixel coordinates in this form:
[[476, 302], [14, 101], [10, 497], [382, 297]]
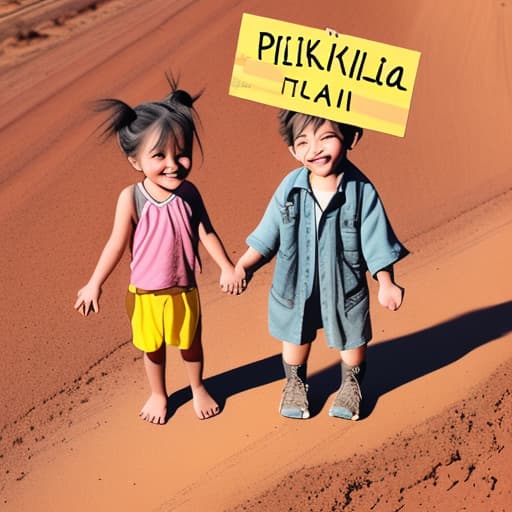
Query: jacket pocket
[[288, 241], [286, 302], [288, 231], [358, 297], [284, 282], [350, 241]]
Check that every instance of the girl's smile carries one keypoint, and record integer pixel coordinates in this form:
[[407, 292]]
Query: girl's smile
[[165, 168]]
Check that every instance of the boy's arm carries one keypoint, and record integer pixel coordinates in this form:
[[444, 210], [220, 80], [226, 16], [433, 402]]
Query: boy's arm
[[380, 246], [390, 295], [250, 258], [88, 296], [247, 262], [229, 281]]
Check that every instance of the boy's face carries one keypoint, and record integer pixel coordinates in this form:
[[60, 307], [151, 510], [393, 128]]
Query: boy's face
[[320, 150]]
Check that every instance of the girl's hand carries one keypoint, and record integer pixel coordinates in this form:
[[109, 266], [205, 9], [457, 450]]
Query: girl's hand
[[88, 300], [390, 296], [232, 282]]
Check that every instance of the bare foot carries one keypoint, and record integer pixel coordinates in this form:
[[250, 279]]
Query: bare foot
[[155, 409], [204, 405]]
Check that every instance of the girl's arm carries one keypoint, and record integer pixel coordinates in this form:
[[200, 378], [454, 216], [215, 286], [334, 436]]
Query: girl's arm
[[229, 282], [88, 296], [390, 295]]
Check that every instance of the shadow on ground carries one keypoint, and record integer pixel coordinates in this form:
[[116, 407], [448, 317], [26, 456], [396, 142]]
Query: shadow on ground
[[391, 363]]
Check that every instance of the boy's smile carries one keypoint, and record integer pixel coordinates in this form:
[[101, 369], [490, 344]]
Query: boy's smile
[[320, 150]]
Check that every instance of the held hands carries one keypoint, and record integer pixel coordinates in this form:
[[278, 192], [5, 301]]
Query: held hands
[[236, 277], [88, 300], [233, 281]]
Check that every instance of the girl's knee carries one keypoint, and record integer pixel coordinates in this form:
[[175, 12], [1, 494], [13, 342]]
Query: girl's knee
[[158, 356], [194, 352]]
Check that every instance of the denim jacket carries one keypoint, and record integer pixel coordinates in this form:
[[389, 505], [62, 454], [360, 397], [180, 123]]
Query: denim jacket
[[353, 236]]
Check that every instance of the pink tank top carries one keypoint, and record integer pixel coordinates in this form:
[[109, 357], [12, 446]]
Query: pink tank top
[[164, 245]]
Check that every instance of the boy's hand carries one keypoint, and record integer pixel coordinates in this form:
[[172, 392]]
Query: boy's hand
[[241, 276], [390, 296], [88, 300]]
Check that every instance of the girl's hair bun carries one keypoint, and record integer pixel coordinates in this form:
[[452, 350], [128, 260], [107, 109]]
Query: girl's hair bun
[[174, 115], [182, 97], [121, 115], [179, 96]]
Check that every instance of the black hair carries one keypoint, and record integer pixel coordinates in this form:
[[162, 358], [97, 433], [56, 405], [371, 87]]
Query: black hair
[[291, 125], [174, 116]]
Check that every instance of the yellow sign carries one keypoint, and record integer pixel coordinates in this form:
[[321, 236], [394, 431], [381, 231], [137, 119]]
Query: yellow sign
[[338, 77]]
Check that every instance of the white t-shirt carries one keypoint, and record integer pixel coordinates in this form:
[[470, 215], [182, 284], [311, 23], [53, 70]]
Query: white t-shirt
[[323, 197]]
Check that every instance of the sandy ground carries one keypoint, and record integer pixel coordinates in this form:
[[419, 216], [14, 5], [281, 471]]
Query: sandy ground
[[435, 433]]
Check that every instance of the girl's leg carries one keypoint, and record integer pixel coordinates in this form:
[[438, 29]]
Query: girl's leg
[[348, 398], [294, 401], [204, 405], [155, 409]]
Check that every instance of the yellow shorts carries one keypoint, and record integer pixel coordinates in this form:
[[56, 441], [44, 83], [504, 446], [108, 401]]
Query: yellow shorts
[[171, 315]]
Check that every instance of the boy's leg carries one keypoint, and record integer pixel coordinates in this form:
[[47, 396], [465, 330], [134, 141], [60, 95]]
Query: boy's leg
[[354, 356], [155, 409], [204, 405], [296, 354], [348, 398], [294, 402]]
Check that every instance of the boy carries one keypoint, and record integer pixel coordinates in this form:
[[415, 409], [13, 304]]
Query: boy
[[327, 226]]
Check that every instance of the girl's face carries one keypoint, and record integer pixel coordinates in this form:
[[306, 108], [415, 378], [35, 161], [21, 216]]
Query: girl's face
[[164, 167], [320, 150]]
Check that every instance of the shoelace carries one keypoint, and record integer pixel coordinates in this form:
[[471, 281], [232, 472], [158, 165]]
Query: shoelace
[[350, 394], [295, 393]]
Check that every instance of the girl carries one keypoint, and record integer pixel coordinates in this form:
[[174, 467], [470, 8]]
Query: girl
[[162, 217]]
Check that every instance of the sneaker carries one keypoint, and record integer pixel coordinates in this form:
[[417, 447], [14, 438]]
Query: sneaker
[[294, 401], [347, 399]]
